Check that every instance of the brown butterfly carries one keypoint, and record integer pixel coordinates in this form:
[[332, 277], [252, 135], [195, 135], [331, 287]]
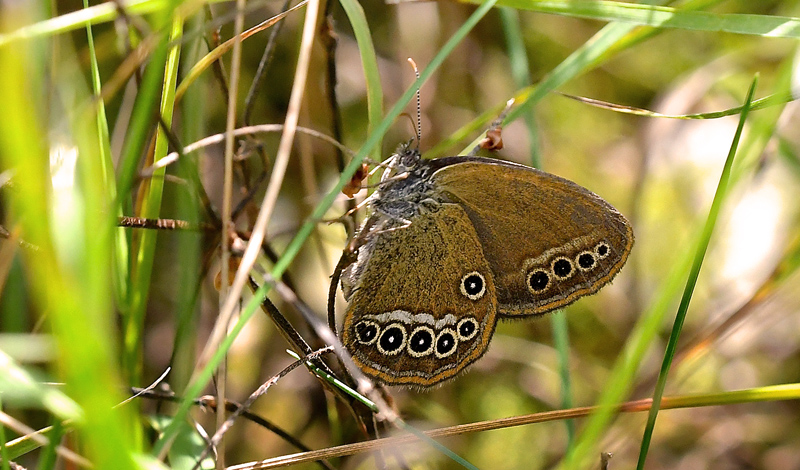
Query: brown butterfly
[[456, 242]]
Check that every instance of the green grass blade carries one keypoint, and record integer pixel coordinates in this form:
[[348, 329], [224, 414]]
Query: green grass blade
[[626, 366], [436, 445], [751, 395], [665, 17], [697, 263], [48, 458], [194, 110], [69, 271], [144, 108], [609, 41], [96, 14], [3, 450], [577, 62], [26, 444], [520, 70], [649, 324], [763, 125], [561, 343], [370, 63], [120, 266], [151, 207]]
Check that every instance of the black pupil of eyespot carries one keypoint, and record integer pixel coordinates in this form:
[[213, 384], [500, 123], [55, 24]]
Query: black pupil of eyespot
[[539, 280], [562, 267], [473, 284], [445, 343], [466, 329], [602, 250], [366, 332], [586, 260], [421, 341], [392, 339]]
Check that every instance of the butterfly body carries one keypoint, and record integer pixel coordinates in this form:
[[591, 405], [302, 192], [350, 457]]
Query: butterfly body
[[457, 242]]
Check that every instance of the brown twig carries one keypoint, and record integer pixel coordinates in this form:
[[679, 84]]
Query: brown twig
[[163, 224], [636, 406]]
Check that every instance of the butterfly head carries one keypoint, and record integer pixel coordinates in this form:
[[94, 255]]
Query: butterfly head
[[406, 158]]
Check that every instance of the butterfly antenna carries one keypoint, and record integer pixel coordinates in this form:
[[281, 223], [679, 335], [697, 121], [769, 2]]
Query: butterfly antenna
[[418, 127]]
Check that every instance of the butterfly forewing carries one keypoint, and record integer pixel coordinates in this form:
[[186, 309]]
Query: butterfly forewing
[[548, 241]]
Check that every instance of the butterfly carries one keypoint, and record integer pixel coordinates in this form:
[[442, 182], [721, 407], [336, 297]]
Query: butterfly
[[455, 243]]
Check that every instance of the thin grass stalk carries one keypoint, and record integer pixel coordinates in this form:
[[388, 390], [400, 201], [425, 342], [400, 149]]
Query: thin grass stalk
[[150, 209], [781, 97], [199, 66], [227, 223], [31, 439], [193, 111], [762, 126], [263, 64], [770, 393], [561, 342]]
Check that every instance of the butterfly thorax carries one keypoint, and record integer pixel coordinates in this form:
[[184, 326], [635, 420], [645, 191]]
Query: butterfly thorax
[[406, 189]]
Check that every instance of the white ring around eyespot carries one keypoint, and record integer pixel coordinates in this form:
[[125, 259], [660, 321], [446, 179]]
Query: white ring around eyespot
[[377, 334], [464, 289], [454, 335], [474, 332], [402, 342], [578, 260], [430, 348], [597, 250], [528, 281], [553, 268]]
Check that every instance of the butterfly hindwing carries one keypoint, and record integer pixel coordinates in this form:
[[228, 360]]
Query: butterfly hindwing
[[421, 299]]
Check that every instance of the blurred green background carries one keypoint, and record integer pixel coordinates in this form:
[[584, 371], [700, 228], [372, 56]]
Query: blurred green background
[[71, 283]]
